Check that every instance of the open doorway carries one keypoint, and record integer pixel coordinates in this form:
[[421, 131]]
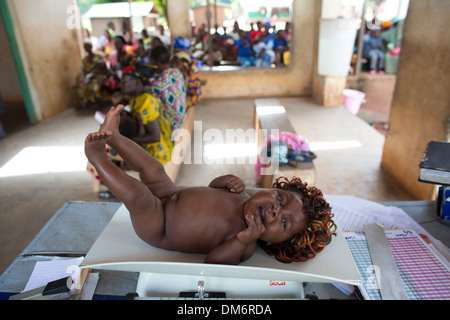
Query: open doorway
[[375, 57], [233, 34]]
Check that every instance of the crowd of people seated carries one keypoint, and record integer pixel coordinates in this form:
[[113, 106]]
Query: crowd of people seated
[[107, 57], [261, 46]]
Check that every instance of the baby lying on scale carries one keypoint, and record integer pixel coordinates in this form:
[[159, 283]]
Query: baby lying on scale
[[291, 221]]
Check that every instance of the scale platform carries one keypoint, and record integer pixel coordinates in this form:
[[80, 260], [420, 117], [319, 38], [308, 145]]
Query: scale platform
[[164, 274]]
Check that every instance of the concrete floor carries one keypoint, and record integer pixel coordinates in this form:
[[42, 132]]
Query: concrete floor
[[348, 162]]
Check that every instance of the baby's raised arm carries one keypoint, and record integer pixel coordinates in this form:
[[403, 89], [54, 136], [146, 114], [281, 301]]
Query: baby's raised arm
[[230, 182]]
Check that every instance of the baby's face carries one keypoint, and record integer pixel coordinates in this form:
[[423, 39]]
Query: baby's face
[[280, 211]]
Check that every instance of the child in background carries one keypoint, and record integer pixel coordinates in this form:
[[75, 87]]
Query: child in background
[[376, 52], [216, 54], [292, 221], [245, 57], [94, 75], [141, 56]]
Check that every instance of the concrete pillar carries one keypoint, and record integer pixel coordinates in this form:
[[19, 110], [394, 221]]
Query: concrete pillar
[[327, 90], [420, 106], [178, 12]]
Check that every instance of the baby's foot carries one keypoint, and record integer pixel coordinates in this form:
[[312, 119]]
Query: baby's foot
[[95, 145], [112, 120]]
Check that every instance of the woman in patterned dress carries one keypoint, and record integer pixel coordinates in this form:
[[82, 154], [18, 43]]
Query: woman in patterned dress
[[169, 86]]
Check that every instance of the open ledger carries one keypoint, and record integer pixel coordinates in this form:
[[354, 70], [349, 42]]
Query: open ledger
[[424, 272]]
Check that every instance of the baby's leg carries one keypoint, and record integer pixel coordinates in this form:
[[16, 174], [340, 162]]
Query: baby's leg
[[146, 210], [151, 171]]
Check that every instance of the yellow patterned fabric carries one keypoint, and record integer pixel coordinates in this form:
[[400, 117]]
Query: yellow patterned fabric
[[150, 109]]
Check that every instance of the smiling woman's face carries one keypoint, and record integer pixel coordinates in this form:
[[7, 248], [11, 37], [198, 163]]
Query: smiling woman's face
[[280, 211]]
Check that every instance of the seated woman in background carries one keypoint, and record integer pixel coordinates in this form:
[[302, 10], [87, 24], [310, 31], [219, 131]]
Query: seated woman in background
[[94, 74], [168, 84], [120, 58], [148, 123], [376, 52], [183, 62], [245, 57], [264, 54], [107, 44]]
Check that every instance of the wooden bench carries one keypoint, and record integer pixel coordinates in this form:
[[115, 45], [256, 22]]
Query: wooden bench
[[172, 168], [269, 114]]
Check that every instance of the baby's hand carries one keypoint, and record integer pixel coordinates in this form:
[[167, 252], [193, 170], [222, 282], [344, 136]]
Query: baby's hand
[[235, 184], [253, 232]]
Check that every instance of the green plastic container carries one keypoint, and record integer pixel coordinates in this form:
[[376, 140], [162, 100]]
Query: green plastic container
[[390, 63]]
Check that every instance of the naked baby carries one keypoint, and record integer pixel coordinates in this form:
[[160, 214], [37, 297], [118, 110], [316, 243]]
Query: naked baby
[[291, 221]]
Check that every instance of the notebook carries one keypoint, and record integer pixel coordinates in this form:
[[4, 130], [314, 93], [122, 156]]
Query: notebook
[[435, 164]]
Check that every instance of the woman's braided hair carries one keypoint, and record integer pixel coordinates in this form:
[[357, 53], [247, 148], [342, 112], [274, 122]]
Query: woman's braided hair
[[307, 244]]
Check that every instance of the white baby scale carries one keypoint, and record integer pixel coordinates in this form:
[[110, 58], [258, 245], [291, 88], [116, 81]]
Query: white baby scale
[[168, 274]]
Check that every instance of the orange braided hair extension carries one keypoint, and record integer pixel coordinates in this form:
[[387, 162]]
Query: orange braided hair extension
[[320, 228]]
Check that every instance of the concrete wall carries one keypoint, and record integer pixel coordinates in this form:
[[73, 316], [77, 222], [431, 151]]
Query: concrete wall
[[49, 51], [216, 12], [293, 81], [9, 83], [421, 103]]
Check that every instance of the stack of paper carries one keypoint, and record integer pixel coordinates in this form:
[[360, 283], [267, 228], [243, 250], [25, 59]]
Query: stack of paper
[[352, 213], [58, 268]]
